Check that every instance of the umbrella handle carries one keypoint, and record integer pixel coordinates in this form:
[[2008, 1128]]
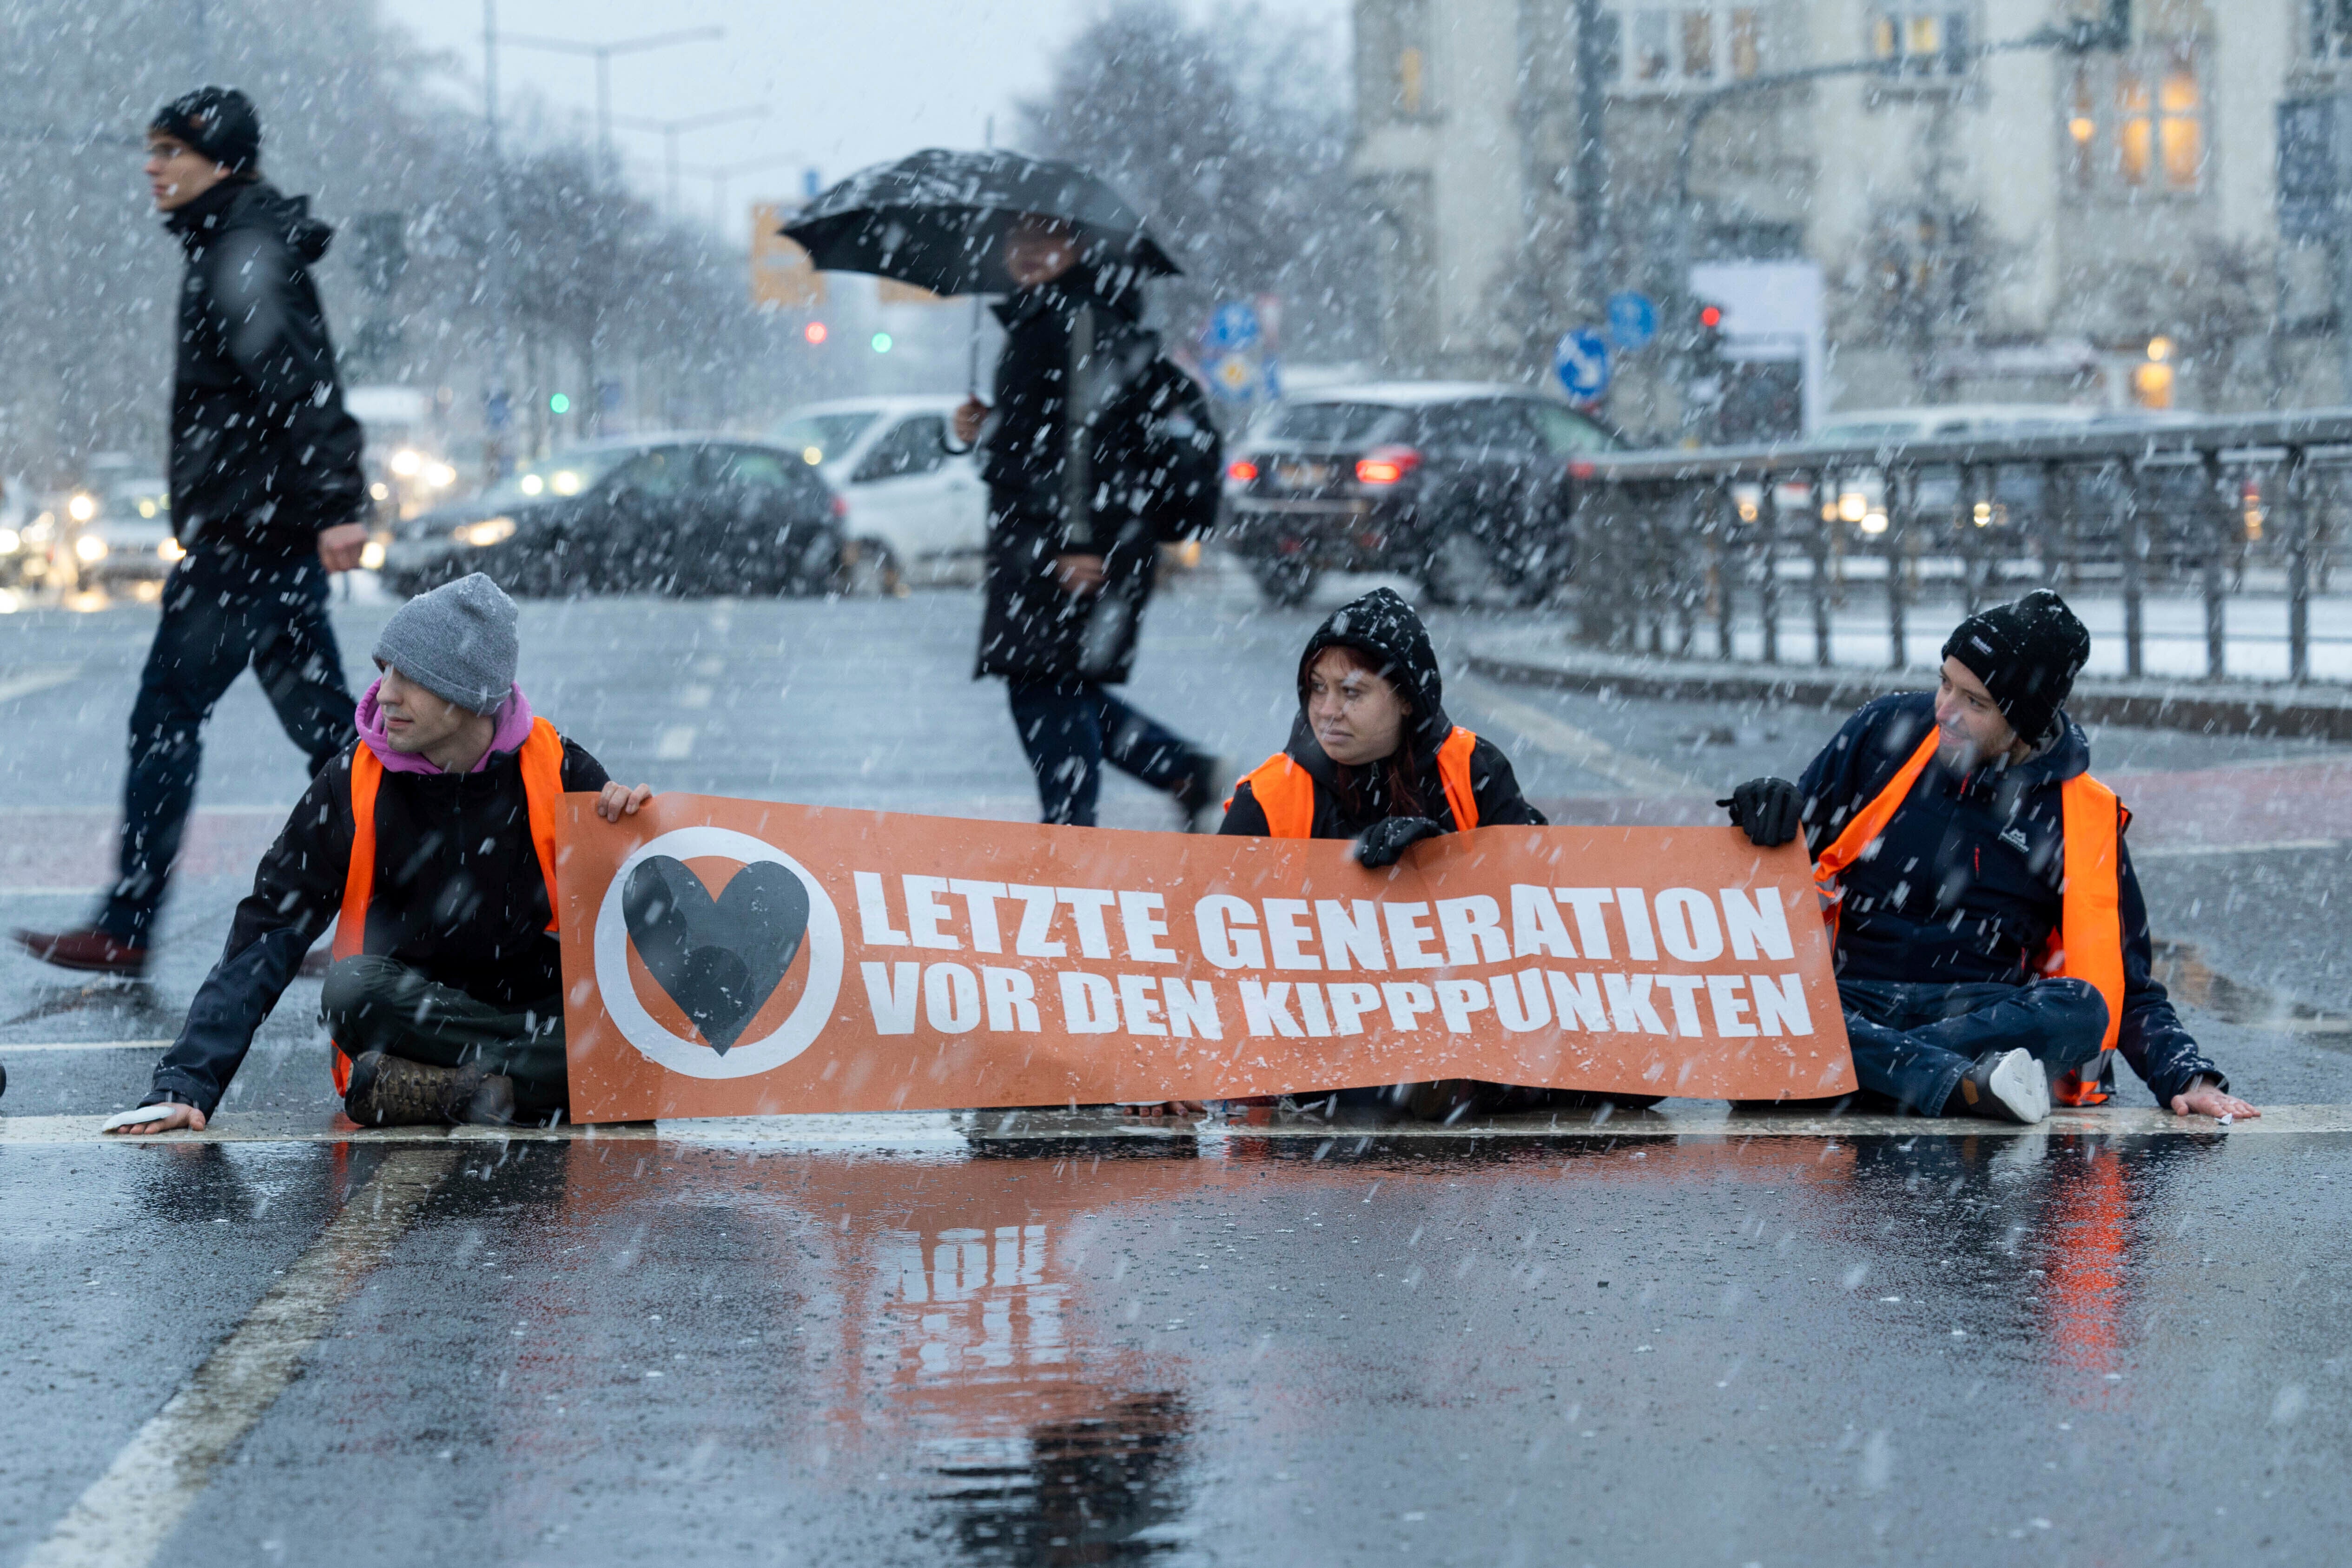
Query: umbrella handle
[[972, 375]]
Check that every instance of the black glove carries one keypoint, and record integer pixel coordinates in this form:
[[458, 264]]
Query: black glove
[[1384, 840], [1770, 809]]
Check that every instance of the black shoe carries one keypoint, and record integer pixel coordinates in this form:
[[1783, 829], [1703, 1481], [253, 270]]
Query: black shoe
[[2003, 1086], [393, 1091], [1201, 796]]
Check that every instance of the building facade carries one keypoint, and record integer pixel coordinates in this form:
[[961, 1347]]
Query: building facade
[[2005, 200]]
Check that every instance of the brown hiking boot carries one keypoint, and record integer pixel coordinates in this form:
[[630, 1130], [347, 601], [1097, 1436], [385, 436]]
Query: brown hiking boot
[[393, 1091], [91, 950]]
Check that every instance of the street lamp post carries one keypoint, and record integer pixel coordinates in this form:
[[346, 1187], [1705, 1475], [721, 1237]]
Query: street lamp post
[[672, 129], [721, 175], [602, 54]]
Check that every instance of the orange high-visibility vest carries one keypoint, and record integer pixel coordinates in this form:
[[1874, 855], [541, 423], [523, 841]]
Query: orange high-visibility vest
[[1285, 792], [2089, 941], [541, 756]]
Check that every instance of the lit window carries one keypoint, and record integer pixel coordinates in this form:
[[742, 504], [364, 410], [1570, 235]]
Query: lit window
[[1410, 69], [2137, 123], [1744, 51], [2133, 134], [2180, 133], [1922, 39], [1698, 45]]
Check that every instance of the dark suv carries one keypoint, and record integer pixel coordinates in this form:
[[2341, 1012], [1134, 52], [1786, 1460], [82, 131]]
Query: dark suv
[[1460, 485]]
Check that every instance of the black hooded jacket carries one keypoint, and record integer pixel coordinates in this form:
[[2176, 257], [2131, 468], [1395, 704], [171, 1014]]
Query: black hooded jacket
[[459, 897], [1348, 800], [263, 453], [1964, 888], [1032, 628]]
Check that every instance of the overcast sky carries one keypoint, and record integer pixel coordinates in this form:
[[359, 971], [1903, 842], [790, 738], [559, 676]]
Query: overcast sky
[[846, 82]]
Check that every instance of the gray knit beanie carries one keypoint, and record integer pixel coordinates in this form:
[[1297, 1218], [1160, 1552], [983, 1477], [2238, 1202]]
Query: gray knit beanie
[[458, 642]]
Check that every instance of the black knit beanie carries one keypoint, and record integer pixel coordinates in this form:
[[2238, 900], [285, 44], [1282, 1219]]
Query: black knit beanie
[[219, 123], [2028, 655]]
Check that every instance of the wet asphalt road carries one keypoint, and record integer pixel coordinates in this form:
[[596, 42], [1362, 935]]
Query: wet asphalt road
[[937, 1345]]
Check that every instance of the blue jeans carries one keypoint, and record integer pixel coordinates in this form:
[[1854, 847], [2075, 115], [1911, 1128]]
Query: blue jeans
[[1911, 1043], [223, 609], [1070, 729]]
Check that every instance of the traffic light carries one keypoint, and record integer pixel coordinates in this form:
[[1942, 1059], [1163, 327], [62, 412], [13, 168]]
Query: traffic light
[[814, 333], [881, 343], [1701, 345], [559, 404]]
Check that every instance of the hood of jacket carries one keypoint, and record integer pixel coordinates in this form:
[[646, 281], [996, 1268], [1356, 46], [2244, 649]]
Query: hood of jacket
[[255, 205], [1384, 626]]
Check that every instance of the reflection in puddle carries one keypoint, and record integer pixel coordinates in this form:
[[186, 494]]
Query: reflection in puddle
[[1097, 1489]]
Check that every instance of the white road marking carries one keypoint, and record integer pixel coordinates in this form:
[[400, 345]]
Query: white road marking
[[14, 1047], [1583, 748], [36, 680], [127, 1514], [960, 1129], [2184, 851]]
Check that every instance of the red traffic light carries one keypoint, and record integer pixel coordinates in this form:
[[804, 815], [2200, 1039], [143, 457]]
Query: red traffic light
[[814, 332], [1710, 315]]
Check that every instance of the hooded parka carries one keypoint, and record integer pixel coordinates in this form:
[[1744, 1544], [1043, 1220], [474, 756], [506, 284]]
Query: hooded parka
[[1349, 800], [264, 454]]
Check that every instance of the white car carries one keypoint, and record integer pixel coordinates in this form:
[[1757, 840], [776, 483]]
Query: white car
[[917, 510]]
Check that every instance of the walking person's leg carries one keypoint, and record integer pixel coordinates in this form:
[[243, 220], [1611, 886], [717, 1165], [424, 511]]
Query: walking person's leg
[[1136, 744], [203, 643], [299, 667], [1061, 731]]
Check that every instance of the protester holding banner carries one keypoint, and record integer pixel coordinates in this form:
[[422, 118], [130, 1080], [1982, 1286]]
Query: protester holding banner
[[431, 842], [1992, 942], [1374, 757]]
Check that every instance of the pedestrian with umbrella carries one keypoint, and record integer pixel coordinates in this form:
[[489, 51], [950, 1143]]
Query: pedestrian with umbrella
[[1097, 448]]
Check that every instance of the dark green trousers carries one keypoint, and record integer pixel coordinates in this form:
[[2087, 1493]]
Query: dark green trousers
[[376, 1004]]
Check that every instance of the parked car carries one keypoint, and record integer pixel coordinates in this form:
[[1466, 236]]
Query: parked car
[[127, 538], [1462, 484], [675, 514], [917, 513]]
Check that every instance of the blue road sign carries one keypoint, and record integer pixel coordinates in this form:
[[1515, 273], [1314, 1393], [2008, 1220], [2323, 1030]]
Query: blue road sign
[[1581, 363], [1632, 319], [1233, 327]]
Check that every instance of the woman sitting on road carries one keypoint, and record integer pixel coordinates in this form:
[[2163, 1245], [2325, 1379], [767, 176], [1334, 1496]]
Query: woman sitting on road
[[1372, 757]]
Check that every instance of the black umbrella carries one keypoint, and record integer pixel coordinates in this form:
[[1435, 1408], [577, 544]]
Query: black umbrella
[[937, 218]]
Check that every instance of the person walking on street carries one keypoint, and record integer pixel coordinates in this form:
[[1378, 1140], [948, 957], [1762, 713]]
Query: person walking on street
[[267, 497], [1989, 936], [1070, 565], [430, 843]]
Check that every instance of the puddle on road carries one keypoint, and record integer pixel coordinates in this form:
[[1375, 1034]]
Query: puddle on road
[[2181, 969]]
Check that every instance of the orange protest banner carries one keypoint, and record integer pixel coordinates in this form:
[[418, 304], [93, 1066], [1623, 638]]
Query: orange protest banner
[[734, 958]]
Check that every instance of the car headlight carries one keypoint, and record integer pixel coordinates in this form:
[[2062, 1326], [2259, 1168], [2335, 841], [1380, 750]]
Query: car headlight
[[9, 541], [372, 555], [82, 508], [489, 531], [170, 549], [90, 547]]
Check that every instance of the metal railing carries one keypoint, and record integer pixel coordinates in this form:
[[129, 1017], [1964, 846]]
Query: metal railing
[[2217, 530]]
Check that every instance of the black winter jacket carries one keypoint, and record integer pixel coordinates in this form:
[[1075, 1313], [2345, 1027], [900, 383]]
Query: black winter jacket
[[1964, 888], [1349, 800], [459, 897], [263, 453], [1032, 628]]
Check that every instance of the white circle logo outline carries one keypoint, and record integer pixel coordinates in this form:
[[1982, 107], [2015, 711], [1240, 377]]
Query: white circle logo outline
[[686, 1057]]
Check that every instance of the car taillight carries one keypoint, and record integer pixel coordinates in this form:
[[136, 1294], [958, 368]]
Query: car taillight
[[1581, 470], [1386, 465], [1242, 471], [840, 507]]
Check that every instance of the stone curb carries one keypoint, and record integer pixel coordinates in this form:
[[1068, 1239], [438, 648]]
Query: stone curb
[[2310, 713]]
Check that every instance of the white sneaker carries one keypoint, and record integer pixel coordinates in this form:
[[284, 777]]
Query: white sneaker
[[2009, 1084]]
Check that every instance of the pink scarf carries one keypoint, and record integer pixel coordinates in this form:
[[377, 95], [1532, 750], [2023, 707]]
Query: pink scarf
[[513, 728]]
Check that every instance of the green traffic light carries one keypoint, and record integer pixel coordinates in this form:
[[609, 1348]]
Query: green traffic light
[[559, 404], [881, 343]]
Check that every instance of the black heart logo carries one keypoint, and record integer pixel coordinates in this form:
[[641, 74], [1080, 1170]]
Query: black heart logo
[[718, 959]]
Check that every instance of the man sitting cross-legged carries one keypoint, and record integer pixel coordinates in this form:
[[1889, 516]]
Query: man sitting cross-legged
[[431, 842], [1991, 940]]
